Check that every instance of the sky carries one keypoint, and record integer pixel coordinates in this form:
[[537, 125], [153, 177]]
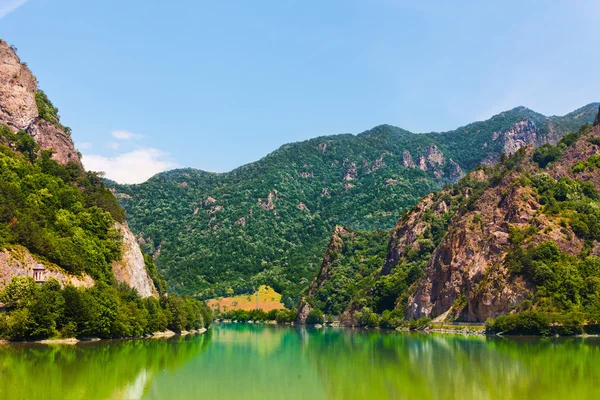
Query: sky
[[149, 85]]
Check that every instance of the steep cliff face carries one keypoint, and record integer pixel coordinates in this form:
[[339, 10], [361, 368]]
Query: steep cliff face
[[521, 134], [131, 269], [469, 276], [363, 181], [20, 102], [19, 109], [459, 254]]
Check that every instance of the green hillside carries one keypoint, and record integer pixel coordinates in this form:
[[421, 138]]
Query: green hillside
[[269, 222]]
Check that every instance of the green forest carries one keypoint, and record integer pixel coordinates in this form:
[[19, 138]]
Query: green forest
[[269, 222], [44, 311], [61, 213], [567, 287]]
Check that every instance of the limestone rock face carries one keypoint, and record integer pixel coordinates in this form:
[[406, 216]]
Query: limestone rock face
[[406, 232], [131, 269], [523, 133], [467, 276], [435, 156], [18, 261], [18, 109], [17, 91], [407, 160], [350, 173], [50, 137], [456, 171]]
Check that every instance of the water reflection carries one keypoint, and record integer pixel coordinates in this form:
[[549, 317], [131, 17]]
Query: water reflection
[[267, 362], [100, 370]]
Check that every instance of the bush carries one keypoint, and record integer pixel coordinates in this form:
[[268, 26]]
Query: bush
[[315, 317], [546, 154], [285, 316], [420, 324], [391, 319], [525, 323]]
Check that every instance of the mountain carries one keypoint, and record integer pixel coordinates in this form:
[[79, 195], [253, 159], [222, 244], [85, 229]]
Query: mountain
[[522, 236], [52, 211], [268, 222]]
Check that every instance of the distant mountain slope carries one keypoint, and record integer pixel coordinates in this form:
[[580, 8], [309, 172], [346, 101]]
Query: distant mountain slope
[[523, 235], [268, 222]]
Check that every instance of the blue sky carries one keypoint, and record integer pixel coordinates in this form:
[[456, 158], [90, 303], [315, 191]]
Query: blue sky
[[151, 85]]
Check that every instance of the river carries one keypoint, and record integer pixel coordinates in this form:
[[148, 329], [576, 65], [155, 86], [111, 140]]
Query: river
[[238, 361]]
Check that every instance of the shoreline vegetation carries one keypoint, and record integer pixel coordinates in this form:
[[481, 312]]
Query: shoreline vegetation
[[520, 324], [32, 312]]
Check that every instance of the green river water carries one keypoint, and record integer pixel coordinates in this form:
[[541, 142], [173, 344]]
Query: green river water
[[272, 362]]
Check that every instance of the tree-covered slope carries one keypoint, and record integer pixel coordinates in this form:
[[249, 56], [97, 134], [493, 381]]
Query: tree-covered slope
[[522, 236], [269, 222]]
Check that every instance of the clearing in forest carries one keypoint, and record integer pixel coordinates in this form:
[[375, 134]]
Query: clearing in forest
[[265, 298]]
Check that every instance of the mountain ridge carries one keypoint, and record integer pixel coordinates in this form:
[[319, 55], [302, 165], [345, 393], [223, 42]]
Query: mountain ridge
[[522, 236], [275, 215], [586, 109]]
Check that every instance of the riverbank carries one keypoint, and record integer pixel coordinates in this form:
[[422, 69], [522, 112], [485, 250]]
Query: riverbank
[[471, 329], [155, 335]]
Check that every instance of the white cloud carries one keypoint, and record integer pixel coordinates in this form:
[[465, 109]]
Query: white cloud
[[133, 167], [112, 145], [84, 145], [7, 6], [126, 135]]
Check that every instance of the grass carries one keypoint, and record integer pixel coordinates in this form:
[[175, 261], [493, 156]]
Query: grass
[[268, 299]]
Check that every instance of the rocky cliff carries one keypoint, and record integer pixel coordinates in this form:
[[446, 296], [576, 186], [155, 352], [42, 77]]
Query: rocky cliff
[[363, 181], [131, 269], [19, 99], [474, 243], [23, 107], [469, 276]]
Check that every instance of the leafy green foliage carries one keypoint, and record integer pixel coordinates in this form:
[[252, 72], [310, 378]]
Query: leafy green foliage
[[191, 215], [354, 269], [548, 153], [38, 312], [590, 164], [258, 315], [537, 323], [47, 111], [157, 279], [315, 317], [58, 212], [574, 200]]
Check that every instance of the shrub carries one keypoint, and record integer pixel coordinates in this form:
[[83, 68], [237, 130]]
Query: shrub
[[315, 317], [419, 324], [546, 154]]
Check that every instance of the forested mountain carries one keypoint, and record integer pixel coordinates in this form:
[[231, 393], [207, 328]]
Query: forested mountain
[[96, 280], [269, 222], [522, 236]]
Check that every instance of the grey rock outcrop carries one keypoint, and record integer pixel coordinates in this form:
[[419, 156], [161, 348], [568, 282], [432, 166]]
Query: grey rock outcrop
[[131, 268], [18, 108]]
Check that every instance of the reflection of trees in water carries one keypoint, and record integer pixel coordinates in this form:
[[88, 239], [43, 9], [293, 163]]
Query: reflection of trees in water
[[362, 364], [99, 370]]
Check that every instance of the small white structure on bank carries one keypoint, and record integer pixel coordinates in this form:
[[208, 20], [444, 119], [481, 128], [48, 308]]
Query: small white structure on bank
[[39, 274]]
